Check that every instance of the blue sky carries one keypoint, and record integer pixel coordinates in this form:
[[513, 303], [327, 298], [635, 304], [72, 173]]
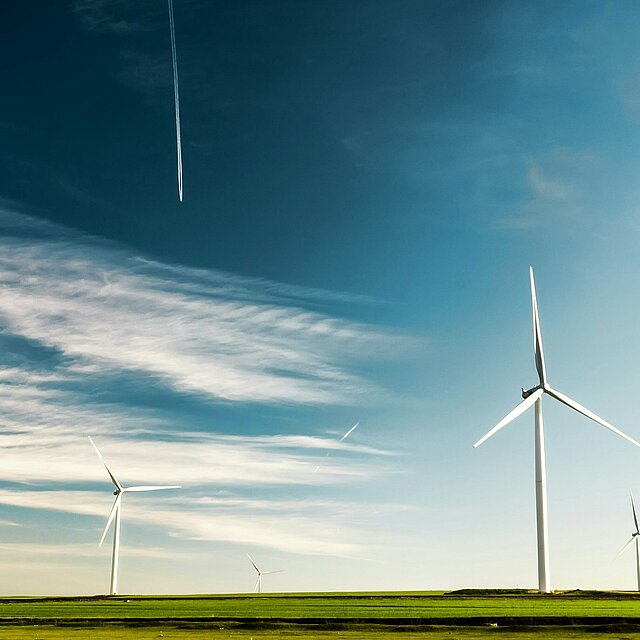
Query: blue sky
[[366, 185]]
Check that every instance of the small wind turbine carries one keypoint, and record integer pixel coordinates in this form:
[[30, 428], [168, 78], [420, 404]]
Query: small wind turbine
[[531, 397], [258, 586], [115, 513], [635, 537]]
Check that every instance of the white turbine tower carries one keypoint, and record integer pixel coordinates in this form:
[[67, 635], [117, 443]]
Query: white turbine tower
[[534, 397], [258, 585], [116, 510], [635, 537]]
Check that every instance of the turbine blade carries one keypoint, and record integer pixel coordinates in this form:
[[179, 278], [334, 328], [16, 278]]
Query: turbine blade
[[635, 516], [537, 333], [521, 408], [114, 508], [152, 488], [266, 573], [589, 414], [346, 435], [624, 548], [253, 563], [106, 466]]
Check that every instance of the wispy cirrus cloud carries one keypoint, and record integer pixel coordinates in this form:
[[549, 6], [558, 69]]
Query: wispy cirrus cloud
[[556, 184], [60, 455], [108, 15], [100, 307], [79, 314], [284, 525], [9, 523], [85, 550], [123, 17], [241, 464]]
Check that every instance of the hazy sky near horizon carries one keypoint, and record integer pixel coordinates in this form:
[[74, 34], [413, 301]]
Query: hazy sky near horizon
[[365, 186]]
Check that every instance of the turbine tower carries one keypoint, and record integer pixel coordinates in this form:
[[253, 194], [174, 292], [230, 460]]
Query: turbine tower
[[635, 537], [258, 586], [115, 513], [534, 397]]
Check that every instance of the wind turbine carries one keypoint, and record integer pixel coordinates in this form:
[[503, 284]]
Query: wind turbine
[[115, 513], [534, 397], [258, 586], [635, 537]]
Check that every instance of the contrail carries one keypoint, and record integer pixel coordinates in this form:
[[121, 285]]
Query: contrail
[[344, 437], [176, 97]]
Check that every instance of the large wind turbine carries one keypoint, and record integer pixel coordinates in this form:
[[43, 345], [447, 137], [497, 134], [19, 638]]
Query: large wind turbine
[[258, 586], [115, 513], [534, 397], [635, 537]]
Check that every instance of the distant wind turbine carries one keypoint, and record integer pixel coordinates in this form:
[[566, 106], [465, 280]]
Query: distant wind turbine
[[258, 585], [635, 537], [116, 513], [344, 437], [531, 397]]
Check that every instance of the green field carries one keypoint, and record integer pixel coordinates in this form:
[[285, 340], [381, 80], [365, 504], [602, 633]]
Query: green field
[[348, 616], [424, 605], [157, 633]]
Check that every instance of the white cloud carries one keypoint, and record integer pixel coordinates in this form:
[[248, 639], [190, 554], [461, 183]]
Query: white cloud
[[56, 455], [9, 523], [557, 183], [84, 550], [105, 15], [549, 187], [80, 313], [311, 528], [103, 309]]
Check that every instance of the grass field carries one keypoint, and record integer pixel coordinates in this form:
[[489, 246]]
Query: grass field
[[352, 606], [329, 616], [40, 633], [157, 633]]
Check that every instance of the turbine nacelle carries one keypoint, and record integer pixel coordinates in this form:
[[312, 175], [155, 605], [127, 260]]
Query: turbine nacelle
[[528, 392]]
